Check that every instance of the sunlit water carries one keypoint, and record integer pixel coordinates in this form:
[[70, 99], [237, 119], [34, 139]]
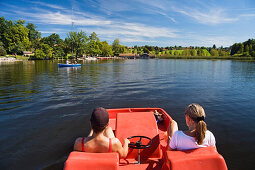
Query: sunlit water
[[43, 108]]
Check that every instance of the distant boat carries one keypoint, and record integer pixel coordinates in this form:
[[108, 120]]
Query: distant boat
[[91, 58], [69, 65]]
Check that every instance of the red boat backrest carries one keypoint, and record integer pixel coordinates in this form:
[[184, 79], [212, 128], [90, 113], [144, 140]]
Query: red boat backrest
[[139, 124], [92, 161], [199, 159]]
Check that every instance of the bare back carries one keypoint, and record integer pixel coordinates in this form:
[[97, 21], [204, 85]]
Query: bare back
[[101, 143]]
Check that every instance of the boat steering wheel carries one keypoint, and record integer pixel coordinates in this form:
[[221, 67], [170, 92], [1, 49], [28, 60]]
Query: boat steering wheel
[[138, 144]]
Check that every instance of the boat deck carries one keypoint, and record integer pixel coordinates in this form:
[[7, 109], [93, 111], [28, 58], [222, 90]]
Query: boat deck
[[133, 120]]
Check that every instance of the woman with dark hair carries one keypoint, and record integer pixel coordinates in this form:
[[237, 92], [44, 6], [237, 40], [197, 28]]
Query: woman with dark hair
[[197, 136], [101, 138]]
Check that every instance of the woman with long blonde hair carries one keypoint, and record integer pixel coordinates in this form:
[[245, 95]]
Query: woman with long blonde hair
[[196, 136]]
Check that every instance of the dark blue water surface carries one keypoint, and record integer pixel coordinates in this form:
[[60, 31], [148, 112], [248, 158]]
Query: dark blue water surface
[[43, 108]]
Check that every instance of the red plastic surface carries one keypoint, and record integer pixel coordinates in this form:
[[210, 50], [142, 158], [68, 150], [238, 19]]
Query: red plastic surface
[[92, 161], [199, 159], [139, 124], [112, 123]]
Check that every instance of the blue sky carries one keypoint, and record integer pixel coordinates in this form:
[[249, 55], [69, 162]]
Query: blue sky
[[142, 22]]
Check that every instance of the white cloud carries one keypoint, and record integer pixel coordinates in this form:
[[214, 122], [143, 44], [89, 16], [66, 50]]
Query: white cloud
[[211, 16], [133, 31], [248, 15], [204, 13], [101, 25], [47, 5]]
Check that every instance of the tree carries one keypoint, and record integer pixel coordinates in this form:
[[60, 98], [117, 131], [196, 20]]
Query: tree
[[184, 52], [140, 51], [193, 52], [199, 52], [16, 35], [253, 53], [58, 51], [55, 42], [2, 50], [44, 52], [146, 50], [246, 49], [116, 47], [135, 51], [235, 48], [250, 47], [16, 48], [33, 35], [93, 36], [39, 54], [214, 46], [3, 30], [241, 49], [52, 40], [214, 52], [78, 41], [106, 49], [93, 48]]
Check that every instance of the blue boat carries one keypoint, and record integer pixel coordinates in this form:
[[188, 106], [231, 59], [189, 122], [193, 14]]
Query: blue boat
[[69, 65]]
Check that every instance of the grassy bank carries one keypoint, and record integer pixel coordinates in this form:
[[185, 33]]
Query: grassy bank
[[207, 57]]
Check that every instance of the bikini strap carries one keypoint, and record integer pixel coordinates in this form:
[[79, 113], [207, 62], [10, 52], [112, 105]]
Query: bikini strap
[[110, 145], [82, 144]]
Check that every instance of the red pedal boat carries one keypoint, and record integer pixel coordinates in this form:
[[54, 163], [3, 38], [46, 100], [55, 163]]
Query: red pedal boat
[[150, 134]]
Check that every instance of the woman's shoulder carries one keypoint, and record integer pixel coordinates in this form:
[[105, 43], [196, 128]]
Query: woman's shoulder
[[210, 137], [209, 133], [181, 134], [77, 143]]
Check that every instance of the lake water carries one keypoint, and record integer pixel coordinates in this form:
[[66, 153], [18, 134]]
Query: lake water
[[43, 108]]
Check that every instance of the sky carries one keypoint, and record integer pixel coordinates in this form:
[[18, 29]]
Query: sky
[[141, 22]]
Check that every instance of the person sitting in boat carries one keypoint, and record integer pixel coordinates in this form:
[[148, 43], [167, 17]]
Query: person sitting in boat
[[101, 138], [67, 62], [196, 137]]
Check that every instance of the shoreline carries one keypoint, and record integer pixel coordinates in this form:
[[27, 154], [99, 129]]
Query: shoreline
[[208, 57], [22, 58]]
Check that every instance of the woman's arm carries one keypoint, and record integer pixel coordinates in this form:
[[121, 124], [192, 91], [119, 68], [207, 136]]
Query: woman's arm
[[122, 150], [173, 127]]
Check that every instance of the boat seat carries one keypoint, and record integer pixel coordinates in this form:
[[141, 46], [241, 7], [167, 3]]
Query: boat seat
[[112, 124], [92, 161], [200, 159], [139, 124]]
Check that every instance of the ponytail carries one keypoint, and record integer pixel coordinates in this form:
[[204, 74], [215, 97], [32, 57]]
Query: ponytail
[[200, 131]]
